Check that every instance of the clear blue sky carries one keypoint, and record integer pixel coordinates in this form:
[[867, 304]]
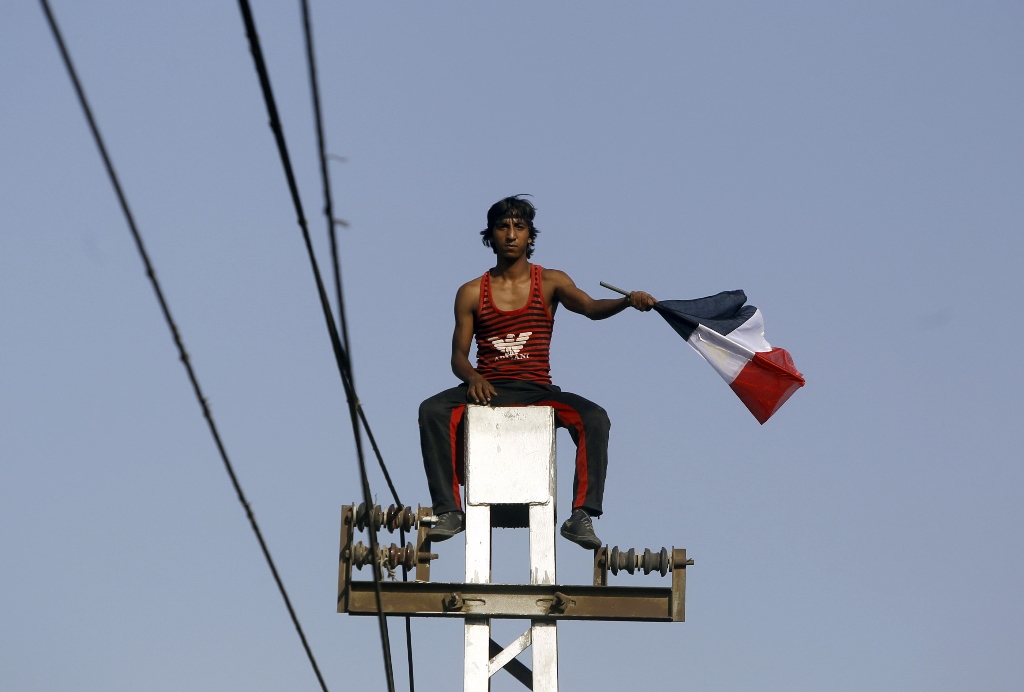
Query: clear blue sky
[[857, 168]]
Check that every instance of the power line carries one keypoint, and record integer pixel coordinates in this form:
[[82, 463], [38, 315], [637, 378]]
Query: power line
[[332, 224], [177, 336], [340, 353]]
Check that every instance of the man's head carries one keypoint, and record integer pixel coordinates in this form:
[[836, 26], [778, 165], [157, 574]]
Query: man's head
[[510, 208]]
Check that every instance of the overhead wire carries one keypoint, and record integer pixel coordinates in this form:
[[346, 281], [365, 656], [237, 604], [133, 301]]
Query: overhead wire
[[176, 335], [340, 352], [332, 223]]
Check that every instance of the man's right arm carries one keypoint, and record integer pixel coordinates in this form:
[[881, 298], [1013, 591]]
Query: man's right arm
[[480, 390]]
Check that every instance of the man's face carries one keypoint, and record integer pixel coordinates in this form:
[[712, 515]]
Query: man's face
[[511, 238]]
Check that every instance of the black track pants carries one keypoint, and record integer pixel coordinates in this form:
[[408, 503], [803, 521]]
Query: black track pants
[[441, 439]]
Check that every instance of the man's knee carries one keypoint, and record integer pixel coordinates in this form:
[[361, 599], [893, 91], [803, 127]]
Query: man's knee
[[431, 409], [594, 417]]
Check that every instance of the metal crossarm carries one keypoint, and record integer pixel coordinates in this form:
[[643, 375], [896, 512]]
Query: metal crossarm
[[547, 602]]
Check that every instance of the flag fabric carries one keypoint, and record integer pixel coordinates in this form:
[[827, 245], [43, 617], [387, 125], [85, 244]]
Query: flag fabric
[[730, 336]]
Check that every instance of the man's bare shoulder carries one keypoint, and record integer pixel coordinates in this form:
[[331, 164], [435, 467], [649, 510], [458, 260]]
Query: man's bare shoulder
[[472, 286], [556, 277], [469, 292]]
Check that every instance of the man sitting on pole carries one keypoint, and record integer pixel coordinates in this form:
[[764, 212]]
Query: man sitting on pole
[[510, 310]]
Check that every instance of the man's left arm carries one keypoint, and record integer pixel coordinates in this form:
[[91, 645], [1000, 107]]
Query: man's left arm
[[576, 300]]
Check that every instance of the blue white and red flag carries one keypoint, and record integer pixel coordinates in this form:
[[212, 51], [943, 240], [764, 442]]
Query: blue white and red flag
[[729, 335]]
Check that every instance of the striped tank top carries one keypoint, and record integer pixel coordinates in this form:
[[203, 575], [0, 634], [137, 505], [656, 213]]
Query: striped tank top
[[514, 344]]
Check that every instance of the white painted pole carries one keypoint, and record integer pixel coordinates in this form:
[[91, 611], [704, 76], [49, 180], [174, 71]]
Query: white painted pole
[[478, 571], [542, 571], [510, 459]]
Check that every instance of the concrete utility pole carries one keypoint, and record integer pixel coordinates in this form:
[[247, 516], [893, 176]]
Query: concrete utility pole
[[510, 460], [510, 483]]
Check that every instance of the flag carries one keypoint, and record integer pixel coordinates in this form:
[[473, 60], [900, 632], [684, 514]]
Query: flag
[[730, 336]]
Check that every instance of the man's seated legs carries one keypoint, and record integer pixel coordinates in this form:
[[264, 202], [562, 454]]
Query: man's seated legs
[[440, 419]]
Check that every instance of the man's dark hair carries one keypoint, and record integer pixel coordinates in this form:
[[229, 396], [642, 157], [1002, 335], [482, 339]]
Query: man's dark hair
[[514, 207]]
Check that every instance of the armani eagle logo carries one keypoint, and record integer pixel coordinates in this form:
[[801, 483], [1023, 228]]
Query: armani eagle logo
[[511, 346]]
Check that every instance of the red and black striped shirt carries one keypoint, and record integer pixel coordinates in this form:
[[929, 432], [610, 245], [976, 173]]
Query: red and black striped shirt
[[514, 344]]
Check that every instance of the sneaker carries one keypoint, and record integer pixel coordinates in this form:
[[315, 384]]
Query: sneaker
[[580, 530], [448, 524]]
